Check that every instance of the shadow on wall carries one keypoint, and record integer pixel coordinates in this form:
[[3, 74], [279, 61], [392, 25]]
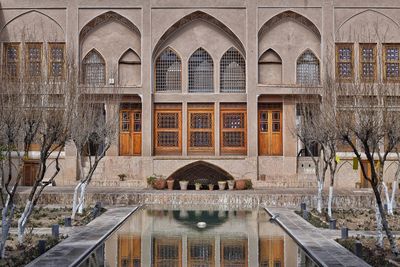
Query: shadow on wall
[[201, 171]]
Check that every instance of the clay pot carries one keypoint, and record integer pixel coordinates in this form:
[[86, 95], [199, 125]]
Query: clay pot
[[170, 184], [159, 184], [240, 184], [183, 184]]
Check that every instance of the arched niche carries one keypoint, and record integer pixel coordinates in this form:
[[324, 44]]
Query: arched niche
[[289, 34], [270, 68], [112, 35], [129, 69], [32, 26]]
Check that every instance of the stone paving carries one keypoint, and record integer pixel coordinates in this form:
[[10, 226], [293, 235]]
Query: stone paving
[[80, 244], [314, 241]]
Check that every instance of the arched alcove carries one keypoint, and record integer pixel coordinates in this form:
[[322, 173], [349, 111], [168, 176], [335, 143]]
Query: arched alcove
[[206, 172], [129, 67], [270, 68]]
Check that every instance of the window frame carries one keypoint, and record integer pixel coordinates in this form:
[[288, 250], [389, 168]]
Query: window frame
[[156, 89], [228, 58], [28, 46], [5, 72], [84, 66], [315, 63], [168, 109], [374, 62], [193, 109], [337, 62], [51, 61], [384, 49], [230, 109], [192, 89]]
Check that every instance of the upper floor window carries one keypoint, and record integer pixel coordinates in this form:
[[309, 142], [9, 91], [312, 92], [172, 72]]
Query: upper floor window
[[344, 61], [94, 69], [201, 72], [33, 60], [56, 60], [233, 72], [391, 62], [168, 71], [308, 69], [368, 62], [11, 60]]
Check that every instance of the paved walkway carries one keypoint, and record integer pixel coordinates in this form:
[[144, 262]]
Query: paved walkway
[[80, 244], [321, 248]]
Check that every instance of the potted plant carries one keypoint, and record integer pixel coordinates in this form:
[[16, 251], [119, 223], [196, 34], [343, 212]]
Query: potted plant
[[210, 187], [170, 184], [183, 184], [122, 176], [243, 184], [198, 186], [159, 183], [221, 185], [151, 179], [231, 184]]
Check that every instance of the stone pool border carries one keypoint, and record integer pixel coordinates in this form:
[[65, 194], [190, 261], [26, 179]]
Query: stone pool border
[[79, 245], [324, 251]]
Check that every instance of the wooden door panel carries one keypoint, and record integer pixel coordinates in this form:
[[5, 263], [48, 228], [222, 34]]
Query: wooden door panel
[[125, 144], [137, 143], [270, 132]]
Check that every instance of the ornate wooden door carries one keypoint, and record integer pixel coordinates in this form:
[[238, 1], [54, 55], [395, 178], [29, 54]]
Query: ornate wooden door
[[130, 135], [270, 130]]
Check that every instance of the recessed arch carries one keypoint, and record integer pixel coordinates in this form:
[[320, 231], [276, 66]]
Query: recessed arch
[[232, 72], [93, 65], [129, 56], [129, 68], [201, 72], [197, 15], [289, 15], [270, 67], [168, 71], [103, 19], [201, 171]]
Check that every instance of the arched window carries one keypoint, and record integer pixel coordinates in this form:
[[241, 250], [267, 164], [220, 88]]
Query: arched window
[[168, 71], [94, 69], [232, 72], [201, 74], [308, 69]]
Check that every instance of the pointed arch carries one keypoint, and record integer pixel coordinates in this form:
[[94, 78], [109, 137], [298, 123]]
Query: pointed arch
[[232, 72], [289, 15], [308, 69], [270, 68], [93, 65], [201, 72], [168, 71], [103, 19], [197, 15], [129, 68]]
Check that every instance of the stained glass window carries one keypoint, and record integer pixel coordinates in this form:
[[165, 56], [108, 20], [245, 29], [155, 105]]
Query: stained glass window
[[344, 61], [232, 72], [201, 72], [308, 69], [168, 72], [392, 61], [94, 69]]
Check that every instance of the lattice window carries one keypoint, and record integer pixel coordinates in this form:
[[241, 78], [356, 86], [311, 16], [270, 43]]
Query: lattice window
[[233, 130], [168, 71], [344, 61], [56, 60], [232, 72], [391, 62], [94, 68], [368, 62], [308, 69], [234, 252], [167, 252], [201, 252], [201, 129], [11, 60], [201, 72], [168, 130], [33, 60]]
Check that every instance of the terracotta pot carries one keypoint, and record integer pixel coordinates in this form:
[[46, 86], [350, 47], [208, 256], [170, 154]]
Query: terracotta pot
[[240, 184], [159, 184], [170, 184]]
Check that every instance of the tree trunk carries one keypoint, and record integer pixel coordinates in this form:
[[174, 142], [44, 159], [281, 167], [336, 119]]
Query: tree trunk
[[379, 233], [330, 198], [391, 238], [319, 196], [393, 198], [75, 202], [386, 191], [81, 204], [23, 220], [7, 216]]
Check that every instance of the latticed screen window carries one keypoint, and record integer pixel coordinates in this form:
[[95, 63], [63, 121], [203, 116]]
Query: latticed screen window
[[233, 129], [200, 129], [391, 62], [168, 130], [201, 252], [232, 72], [167, 252], [11, 60], [308, 69], [234, 252], [168, 72], [33, 60], [368, 62], [94, 69], [344, 61], [201, 72], [56, 60]]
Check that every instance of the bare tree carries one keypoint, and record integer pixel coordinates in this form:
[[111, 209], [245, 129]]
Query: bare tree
[[93, 133]]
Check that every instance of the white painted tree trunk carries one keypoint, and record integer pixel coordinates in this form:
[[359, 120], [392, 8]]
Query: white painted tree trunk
[[7, 216], [379, 232], [319, 196], [23, 220], [392, 203], [330, 198], [386, 192], [81, 204], [75, 200]]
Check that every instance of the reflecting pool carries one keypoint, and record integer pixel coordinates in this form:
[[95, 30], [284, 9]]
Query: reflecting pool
[[200, 237]]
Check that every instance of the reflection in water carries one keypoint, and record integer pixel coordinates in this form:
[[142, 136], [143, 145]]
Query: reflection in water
[[170, 238]]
